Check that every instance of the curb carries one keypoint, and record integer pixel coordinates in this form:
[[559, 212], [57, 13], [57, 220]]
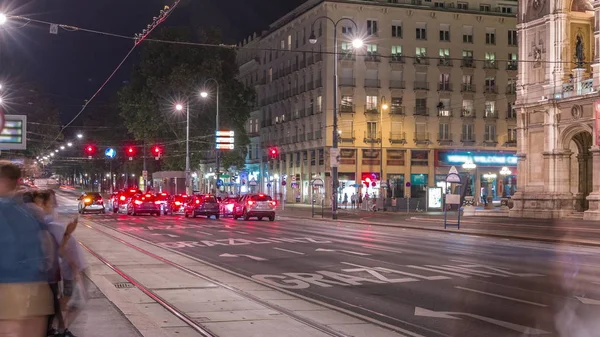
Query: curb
[[501, 236]]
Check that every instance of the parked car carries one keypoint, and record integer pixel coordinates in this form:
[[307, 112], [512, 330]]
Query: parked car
[[144, 204], [121, 202], [177, 203], [91, 202], [228, 206], [255, 205], [206, 204]]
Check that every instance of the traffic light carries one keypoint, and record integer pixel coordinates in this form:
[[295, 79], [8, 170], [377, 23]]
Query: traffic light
[[273, 152], [157, 151], [90, 150]]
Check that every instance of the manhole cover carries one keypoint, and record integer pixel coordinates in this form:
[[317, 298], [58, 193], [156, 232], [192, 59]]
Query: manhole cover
[[122, 285]]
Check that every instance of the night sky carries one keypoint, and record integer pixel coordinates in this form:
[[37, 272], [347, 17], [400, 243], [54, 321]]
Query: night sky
[[71, 66]]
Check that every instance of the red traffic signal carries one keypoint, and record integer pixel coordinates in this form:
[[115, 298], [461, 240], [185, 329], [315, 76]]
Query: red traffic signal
[[130, 150], [90, 149], [273, 152], [157, 151]]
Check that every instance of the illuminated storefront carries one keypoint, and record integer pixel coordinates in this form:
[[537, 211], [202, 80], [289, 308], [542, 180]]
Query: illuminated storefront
[[493, 173]]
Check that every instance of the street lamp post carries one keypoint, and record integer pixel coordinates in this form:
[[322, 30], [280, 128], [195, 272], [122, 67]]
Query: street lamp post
[[489, 177], [204, 94], [179, 107], [357, 43], [504, 172], [469, 202], [384, 107]]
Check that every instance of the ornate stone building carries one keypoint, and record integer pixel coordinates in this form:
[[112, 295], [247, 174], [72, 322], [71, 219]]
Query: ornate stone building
[[558, 109]]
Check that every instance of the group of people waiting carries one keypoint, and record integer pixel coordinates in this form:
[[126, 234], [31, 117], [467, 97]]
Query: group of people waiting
[[42, 288]]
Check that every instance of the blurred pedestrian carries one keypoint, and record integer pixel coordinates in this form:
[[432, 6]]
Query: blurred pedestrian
[[346, 200], [353, 200], [25, 297], [72, 262]]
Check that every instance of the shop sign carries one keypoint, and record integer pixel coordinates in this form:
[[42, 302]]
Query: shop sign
[[480, 159]]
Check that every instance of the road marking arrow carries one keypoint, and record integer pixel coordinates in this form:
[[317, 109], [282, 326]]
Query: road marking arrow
[[450, 315], [255, 258], [169, 235], [342, 251], [588, 300]]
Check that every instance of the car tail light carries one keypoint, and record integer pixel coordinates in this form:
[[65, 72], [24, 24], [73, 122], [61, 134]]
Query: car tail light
[[273, 203], [87, 200], [250, 202], [122, 198], [197, 201], [100, 201], [157, 202], [137, 202], [148, 195], [177, 203]]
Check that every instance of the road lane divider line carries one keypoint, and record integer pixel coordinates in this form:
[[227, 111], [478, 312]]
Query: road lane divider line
[[383, 249], [275, 307], [501, 296], [289, 251]]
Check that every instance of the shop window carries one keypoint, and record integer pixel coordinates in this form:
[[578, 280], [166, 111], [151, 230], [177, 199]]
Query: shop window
[[419, 158], [418, 185], [396, 157], [396, 183], [321, 157]]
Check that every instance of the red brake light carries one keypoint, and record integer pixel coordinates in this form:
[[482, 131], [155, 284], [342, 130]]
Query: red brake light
[[157, 202], [163, 194], [197, 201], [274, 203], [132, 191], [177, 203], [184, 196], [261, 195], [100, 200], [148, 195], [137, 202], [250, 202], [122, 198]]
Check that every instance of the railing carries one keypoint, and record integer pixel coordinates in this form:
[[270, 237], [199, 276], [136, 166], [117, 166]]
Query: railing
[[445, 62], [397, 110], [421, 60], [490, 89], [490, 64], [318, 57], [397, 137], [343, 56], [420, 111], [369, 109], [444, 137], [511, 114], [467, 62], [373, 57], [468, 113], [372, 137], [490, 138], [467, 87], [346, 82], [310, 86], [347, 108], [422, 137], [511, 89], [347, 137], [318, 83], [421, 85], [396, 84], [318, 134], [397, 58], [302, 88], [445, 86], [372, 83], [491, 114], [512, 65], [444, 112], [574, 89], [465, 138]]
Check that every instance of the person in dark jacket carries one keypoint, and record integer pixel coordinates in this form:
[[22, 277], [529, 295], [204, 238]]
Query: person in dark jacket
[[25, 296]]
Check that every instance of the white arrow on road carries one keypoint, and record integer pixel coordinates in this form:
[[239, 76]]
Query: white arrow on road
[[451, 315], [588, 300], [344, 251], [169, 235], [255, 258]]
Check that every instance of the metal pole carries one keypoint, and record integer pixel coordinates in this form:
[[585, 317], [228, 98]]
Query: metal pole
[[111, 177], [381, 180], [144, 176], [218, 153], [187, 151], [334, 170]]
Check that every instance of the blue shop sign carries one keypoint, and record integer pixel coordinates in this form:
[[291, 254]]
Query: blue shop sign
[[479, 158]]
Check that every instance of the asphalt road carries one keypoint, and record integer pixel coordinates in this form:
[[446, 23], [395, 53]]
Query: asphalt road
[[434, 284]]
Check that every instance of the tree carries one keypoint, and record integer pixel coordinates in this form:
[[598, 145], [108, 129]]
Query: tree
[[169, 74]]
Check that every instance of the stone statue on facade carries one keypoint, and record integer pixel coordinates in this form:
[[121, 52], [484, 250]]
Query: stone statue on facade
[[579, 55]]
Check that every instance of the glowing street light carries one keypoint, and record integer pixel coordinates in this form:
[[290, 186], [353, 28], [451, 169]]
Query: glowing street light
[[69, 144], [204, 94], [3, 18], [79, 135], [56, 151], [62, 147], [51, 154], [179, 107]]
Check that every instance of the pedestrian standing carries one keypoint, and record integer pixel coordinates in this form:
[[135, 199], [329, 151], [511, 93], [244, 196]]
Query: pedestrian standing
[[346, 200], [360, 200], [25, 296], [353, 200]]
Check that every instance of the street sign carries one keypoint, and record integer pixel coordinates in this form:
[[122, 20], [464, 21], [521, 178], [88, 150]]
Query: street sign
[[453, 170], [145, 174], [317, 182], [13, 134], [225, 140], [283, 183], [225, 146], [334, 157], [225, 133], [453, 178], [110, 153], [293, 178], [407, 184], [219, 182], [294, 185], [269, 185]]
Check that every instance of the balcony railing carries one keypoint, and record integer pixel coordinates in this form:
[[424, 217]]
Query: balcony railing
[[421, 85], [310, 86], [397, 137], [344, 56], [467, 87], [420, 111], [421, 60], [372, 137], [370, 109], [445, 86], [397, 58], [491, 114], [318, 83], [422, 137], [490, 64], [347, 108], [577, 88], [490, 138], [396, 84], [397, 110], [347, 137], [511, 114], [373, 57], [467, 113], [467, 138], [444, 112], [445, 62], [512, 65], [490, 89], [347, 82], [444, 137], [467, 62], [372, 83]]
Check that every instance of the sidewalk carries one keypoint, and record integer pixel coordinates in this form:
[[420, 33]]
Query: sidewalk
[[570, 231]]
